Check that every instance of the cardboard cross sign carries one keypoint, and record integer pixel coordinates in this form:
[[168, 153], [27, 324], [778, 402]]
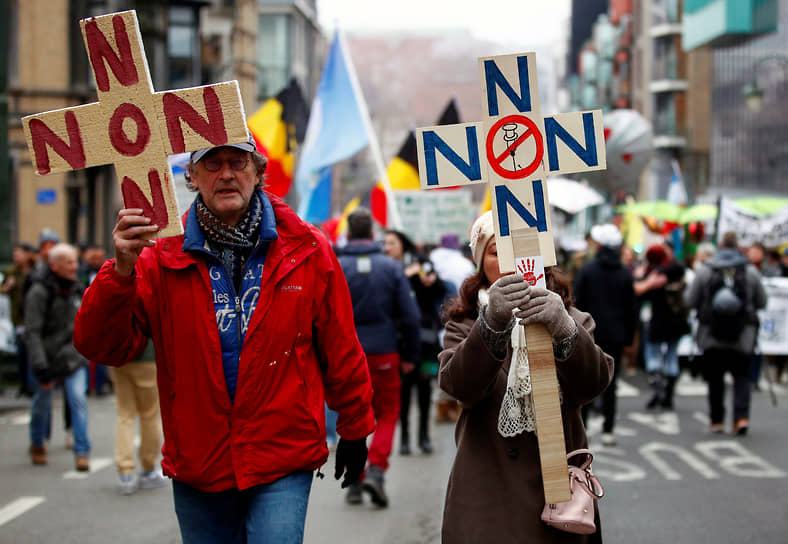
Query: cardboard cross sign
[[507, 150], [131, 126]]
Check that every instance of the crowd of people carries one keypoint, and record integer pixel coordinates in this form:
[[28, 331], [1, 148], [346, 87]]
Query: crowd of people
[[255, 347]]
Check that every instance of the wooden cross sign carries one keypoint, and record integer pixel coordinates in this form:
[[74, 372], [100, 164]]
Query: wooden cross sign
[[131, 126], [507, 151]]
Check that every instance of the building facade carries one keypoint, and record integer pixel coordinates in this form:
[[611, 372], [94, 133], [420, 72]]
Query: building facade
[[187, 43], [747, 41]]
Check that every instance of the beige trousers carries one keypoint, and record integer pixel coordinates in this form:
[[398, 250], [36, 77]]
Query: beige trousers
[[136, 394]]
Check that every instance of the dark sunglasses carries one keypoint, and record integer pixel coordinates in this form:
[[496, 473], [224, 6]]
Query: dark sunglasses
[[214, 164]]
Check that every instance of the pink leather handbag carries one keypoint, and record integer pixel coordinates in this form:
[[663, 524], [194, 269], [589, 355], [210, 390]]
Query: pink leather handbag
[[577, 514]]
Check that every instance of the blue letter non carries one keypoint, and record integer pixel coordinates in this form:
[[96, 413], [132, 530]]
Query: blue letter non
[[553, 130], [493, 77], [432, 142], [504, 196]]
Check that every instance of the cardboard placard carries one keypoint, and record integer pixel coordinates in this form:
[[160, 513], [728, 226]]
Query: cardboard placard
[[131, 126], [513, 149]]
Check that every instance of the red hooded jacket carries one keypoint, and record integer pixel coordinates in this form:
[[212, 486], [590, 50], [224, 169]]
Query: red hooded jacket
[[300, 350]]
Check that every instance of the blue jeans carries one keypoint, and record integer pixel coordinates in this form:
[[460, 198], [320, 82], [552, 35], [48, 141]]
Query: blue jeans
[[666, 361], [274, 512], [41, 412], [331, 425]]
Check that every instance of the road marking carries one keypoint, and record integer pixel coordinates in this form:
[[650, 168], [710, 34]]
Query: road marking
[[19, 418], [689, 387], [99, 463], [623, 389], [18, 507], [665, 423]]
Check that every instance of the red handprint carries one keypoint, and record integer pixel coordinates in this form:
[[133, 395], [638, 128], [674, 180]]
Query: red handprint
[[526, 268]]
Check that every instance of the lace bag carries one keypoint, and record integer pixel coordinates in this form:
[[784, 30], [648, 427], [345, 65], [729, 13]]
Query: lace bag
[[577, 514]]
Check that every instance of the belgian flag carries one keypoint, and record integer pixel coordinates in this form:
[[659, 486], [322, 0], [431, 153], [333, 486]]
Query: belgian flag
[[278, 128], [403, 174], [403, 170]]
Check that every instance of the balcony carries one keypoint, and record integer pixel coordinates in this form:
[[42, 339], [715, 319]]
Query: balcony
[[726, 22]]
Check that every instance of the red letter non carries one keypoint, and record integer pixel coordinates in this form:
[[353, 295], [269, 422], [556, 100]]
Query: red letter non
[[99, 49], [41, 136], [118, 137], [133, 197], [177, 109]]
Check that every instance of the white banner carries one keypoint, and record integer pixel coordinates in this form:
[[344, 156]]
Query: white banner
[[770, 230], [426, 215], [773, 334], [7, 338]]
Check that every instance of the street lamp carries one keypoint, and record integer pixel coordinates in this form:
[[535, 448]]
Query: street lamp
[[753, 94]]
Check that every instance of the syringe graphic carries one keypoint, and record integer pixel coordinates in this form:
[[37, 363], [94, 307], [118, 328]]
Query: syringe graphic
[[510, 136]]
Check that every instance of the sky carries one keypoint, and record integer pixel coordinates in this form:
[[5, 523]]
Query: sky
[[513, 22]]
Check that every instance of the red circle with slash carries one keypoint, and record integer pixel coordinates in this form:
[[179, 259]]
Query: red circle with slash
[[496, 162]]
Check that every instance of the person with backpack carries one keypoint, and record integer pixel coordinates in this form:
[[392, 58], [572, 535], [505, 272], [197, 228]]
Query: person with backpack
[[727, 292], [663, 287], [51, 304]]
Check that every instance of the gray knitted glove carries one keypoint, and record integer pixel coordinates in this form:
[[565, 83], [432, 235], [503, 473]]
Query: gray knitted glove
[[506, 294], [547, 307]]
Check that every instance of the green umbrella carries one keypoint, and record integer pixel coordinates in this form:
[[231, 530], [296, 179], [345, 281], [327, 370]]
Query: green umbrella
[[698, 212], [763, 205], [658, 209]]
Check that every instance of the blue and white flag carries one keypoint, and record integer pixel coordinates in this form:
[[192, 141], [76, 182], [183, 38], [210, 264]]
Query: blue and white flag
[[335, 131]]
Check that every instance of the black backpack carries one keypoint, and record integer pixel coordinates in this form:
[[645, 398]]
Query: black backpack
[[727, 309], [677, 310]]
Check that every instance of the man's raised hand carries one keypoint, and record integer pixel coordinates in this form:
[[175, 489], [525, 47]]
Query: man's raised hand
[[130, 238]]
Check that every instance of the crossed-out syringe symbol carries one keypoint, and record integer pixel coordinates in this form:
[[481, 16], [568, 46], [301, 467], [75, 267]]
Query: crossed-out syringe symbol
[[510, 136]]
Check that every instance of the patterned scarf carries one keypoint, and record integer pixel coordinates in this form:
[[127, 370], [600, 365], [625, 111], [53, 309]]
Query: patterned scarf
[[232, 245]]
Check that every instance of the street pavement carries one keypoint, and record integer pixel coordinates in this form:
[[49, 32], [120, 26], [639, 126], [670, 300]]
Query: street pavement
[[667, 480]]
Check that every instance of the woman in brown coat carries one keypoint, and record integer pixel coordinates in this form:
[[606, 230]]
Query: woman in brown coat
[[495, 488]]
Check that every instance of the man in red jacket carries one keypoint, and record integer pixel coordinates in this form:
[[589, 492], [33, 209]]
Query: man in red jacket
[[252, 323]]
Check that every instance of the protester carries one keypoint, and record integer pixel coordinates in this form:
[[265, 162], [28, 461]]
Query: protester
[[759, 258], [14, 279], [450, 264], [50, 306], [136, 395], [90, 263], [454, 267], [252, 325], [603, 288], [663, 287], [495, 489], [727, 292], [387, 323], [47, 239], [430, 291]]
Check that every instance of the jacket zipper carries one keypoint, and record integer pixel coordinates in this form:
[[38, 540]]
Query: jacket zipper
[[238, 318]]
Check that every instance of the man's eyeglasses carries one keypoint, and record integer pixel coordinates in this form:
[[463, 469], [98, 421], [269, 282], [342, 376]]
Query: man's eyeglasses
[[214, 164]]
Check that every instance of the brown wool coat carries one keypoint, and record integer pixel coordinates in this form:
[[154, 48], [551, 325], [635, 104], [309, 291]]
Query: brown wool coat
[[495, 488]]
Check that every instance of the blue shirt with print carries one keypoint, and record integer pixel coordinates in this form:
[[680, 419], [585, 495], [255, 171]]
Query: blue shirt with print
[[234, 309]]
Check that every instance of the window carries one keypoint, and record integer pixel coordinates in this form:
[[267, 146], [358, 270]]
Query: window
[[665, 114], [182, 47], [273, 54]]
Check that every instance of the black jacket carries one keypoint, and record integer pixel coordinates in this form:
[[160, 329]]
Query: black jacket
[[51, 305], [603, 288]]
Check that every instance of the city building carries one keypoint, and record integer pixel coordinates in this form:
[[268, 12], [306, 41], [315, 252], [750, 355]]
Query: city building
[[260, 43], [747, 41]]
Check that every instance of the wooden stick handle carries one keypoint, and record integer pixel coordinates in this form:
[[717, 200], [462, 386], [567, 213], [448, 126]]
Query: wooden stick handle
[[547, 410]]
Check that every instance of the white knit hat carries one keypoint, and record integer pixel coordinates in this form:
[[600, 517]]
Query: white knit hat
[[606, 235], [481, 232]]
